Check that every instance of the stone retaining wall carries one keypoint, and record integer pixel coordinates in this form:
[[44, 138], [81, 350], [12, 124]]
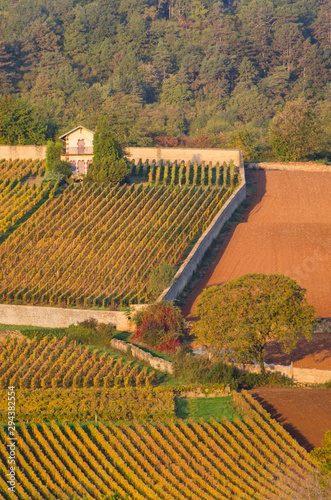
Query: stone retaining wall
[[301, 375], [58, 317], [23, 152], [185, 272], [146, 357], [165, 154], [185, 154]]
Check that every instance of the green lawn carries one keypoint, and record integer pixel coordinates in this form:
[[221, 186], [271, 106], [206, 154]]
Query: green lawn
[[206, 408]]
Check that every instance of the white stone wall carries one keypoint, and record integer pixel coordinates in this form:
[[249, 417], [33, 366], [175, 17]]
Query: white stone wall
[[185, 154], [57, 317], [185, 272], [301, 375], [23, 152]]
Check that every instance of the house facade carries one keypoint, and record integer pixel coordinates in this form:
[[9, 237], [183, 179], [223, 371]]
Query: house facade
[[78, 149]]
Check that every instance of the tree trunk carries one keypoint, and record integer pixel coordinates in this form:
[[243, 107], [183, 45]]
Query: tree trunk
[[261, 363]]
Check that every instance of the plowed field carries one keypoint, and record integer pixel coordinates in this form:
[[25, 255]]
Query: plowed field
[[285, 230], [304, 413]]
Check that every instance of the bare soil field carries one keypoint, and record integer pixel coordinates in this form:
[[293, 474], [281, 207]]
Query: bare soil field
[[286, 230], [313, 354], [304, 413]]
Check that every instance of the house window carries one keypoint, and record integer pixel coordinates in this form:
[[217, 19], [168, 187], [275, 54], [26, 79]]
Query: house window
[[81, 146]]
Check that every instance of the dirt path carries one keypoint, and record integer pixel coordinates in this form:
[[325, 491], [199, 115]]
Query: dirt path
[[285, 230], [304, 413]]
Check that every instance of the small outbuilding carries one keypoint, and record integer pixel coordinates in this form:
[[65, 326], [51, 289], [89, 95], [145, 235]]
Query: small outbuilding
[[78, 149]]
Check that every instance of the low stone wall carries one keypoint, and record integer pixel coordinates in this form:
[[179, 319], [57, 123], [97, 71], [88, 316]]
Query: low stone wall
[[301, 375], [308, 166], [185, 272], [57, 317], [23, 152], [146, 357]]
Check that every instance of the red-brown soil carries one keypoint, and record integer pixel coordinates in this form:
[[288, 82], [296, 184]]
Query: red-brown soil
[[313, 354], [304, 413], [286, 230]]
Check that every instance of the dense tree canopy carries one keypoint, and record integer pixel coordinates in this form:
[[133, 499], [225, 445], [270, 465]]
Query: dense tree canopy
[[294, 132], [104, 143], [244, 314], [53, 153], [163, 70], [18, 124]]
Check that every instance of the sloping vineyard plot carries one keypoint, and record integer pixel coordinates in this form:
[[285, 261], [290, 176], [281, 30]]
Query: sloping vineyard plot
[[16, 200], [57, 363], [250, 459], [21, 169], [90, 403], [96, 245]]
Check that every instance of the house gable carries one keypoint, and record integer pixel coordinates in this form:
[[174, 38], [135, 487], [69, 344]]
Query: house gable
[[78, 149]]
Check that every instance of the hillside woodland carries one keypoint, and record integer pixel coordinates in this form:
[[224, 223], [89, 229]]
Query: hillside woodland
[[205, 73]]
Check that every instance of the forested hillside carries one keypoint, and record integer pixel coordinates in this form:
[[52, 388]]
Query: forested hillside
[[191, 72]]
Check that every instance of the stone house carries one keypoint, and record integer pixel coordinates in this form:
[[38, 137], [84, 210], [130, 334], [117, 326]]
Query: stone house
[[78, 149]]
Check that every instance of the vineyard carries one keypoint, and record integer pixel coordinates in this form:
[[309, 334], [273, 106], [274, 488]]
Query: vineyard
[[19, 170], [95, 245], [17, 200], [57, 363], [186, 175], [91, 425], [116, 404], [253, 458], [56, 379]]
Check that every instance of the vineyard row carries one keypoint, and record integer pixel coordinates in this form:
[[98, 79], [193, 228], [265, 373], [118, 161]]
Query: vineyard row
[[21, 169], [57, 363], [95, 246], [168, 460], [186, 175], [16, 201]]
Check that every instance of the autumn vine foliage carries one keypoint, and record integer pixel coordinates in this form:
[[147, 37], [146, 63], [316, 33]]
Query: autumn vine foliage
[[17, 170], [253, 457], [18, 198], [160, 326], [95, 245], [53, 363], [186, 174]]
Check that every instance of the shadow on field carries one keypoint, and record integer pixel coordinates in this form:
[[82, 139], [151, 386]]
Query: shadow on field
[[281, 419], [256, 189]]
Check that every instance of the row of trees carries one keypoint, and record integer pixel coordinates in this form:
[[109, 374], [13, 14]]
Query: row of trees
[[170, 72], [295, 133]]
